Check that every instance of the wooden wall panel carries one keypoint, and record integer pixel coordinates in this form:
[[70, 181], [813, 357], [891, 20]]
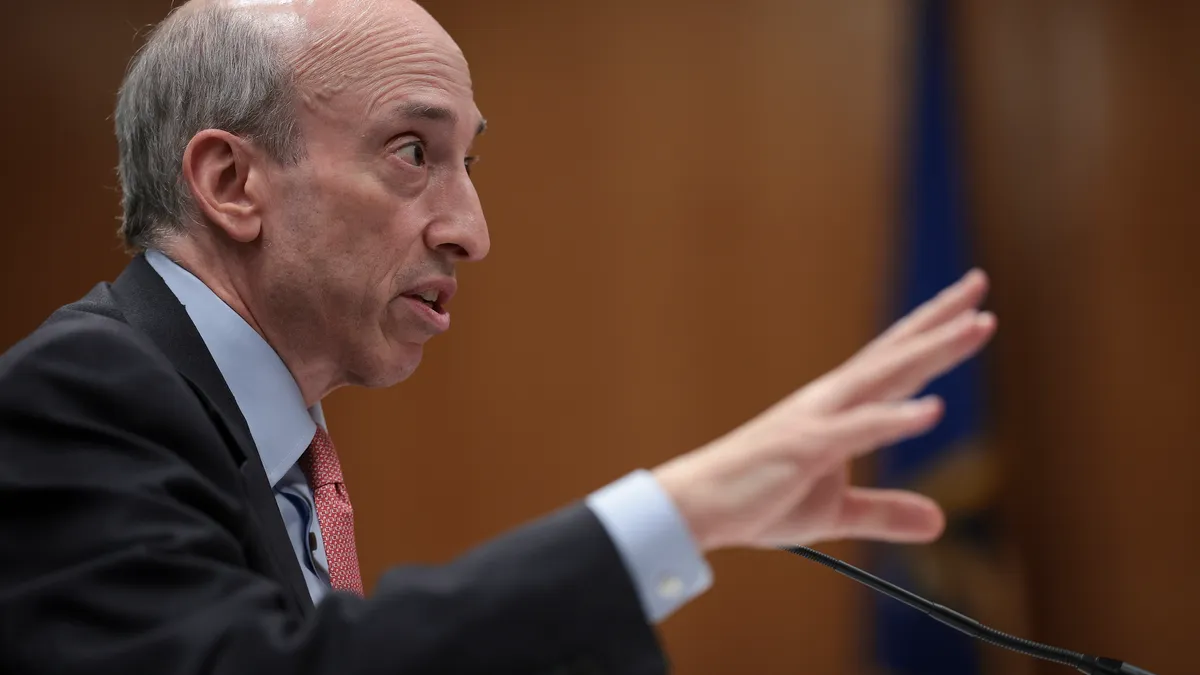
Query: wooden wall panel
[[1086, 162]]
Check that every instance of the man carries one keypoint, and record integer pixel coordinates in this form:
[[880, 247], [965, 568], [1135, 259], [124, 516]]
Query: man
[[296, 177]]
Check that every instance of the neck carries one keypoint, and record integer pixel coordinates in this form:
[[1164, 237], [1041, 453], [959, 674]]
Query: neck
[[226, 274]]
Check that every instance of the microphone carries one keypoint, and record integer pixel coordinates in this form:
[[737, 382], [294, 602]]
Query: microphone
[[1090, 665]]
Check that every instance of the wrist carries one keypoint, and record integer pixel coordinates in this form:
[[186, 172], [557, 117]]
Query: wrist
[[679, 480]]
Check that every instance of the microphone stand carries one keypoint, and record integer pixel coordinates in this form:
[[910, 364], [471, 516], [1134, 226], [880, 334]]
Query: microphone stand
[[1090, 665]]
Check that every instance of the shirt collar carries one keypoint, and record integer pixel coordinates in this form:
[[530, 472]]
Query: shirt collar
[[263, 387]]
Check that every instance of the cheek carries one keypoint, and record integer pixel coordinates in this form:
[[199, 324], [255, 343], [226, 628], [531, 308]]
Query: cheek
[[360, 239], [380, 224], [336, 215], [364, 206]]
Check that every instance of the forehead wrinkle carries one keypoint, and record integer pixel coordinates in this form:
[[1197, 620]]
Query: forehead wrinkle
[[325, 61], [422, 74], [380, 57]]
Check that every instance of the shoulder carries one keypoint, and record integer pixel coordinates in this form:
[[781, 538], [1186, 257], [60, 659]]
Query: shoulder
[[84, 362], [84, 338], [88, 377]]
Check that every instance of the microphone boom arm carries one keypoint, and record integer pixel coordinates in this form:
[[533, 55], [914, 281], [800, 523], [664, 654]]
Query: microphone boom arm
[[1089, 665]]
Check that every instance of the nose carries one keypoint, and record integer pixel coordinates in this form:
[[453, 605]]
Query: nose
[[461, 232]]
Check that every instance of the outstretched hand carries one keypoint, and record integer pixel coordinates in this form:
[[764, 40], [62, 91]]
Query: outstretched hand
[[782, 479]]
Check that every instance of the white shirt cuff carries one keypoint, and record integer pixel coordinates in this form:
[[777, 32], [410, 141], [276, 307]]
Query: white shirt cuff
[[667, 567]]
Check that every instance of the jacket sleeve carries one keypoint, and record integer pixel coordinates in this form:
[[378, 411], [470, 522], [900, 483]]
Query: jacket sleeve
[[122, 521]]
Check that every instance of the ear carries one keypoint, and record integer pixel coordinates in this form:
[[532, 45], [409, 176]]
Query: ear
[[222, 171]]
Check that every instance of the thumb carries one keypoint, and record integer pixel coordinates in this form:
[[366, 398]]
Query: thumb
[[895, 516]]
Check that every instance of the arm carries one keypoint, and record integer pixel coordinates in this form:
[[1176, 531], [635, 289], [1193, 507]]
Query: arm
[[129, 503]]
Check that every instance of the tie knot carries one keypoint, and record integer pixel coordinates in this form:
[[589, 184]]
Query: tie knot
[[320, 462]]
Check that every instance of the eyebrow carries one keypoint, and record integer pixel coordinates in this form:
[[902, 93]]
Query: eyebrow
[[436, 113]]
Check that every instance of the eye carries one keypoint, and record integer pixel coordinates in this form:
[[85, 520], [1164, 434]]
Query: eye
[[470, 161], [412, 153]]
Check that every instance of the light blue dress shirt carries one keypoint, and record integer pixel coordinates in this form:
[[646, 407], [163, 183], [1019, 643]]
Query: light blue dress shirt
[[664, 562]]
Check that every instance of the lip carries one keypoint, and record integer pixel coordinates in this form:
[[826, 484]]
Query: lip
[[445, 287], [439, 321]]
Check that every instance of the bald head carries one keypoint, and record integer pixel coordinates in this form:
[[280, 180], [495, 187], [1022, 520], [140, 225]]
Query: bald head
[[243, 66], [304, 24]]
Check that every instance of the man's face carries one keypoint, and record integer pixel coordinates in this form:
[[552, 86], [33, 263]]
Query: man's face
[[361, 237]]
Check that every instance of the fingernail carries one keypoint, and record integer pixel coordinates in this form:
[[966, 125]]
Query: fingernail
[[974, 276], [985, 319], [925, 404]]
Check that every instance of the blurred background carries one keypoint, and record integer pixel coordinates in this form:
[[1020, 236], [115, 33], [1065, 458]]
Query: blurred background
[[697, 207]]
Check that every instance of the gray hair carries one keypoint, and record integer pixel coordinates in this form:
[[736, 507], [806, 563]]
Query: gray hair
[[206, 68]]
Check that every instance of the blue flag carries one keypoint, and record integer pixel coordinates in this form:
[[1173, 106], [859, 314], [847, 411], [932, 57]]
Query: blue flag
[[952, 463]]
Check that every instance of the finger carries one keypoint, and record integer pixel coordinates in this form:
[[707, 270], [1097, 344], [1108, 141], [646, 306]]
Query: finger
[[935, 354], [963, 295], [903, 370], [874, 425], [894, 516]]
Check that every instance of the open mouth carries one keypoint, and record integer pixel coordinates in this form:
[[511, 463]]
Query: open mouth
[[429, 299]]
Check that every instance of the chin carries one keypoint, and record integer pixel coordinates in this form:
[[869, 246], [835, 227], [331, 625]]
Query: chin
[[396, 366]]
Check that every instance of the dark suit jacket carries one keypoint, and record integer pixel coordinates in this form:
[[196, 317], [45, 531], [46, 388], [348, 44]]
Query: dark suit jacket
[[140, 534]]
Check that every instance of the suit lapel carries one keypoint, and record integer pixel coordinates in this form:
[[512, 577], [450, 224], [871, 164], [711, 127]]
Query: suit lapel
[[149, 306]]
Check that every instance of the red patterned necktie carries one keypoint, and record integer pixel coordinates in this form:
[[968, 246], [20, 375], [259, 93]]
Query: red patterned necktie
[[320, 464]]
